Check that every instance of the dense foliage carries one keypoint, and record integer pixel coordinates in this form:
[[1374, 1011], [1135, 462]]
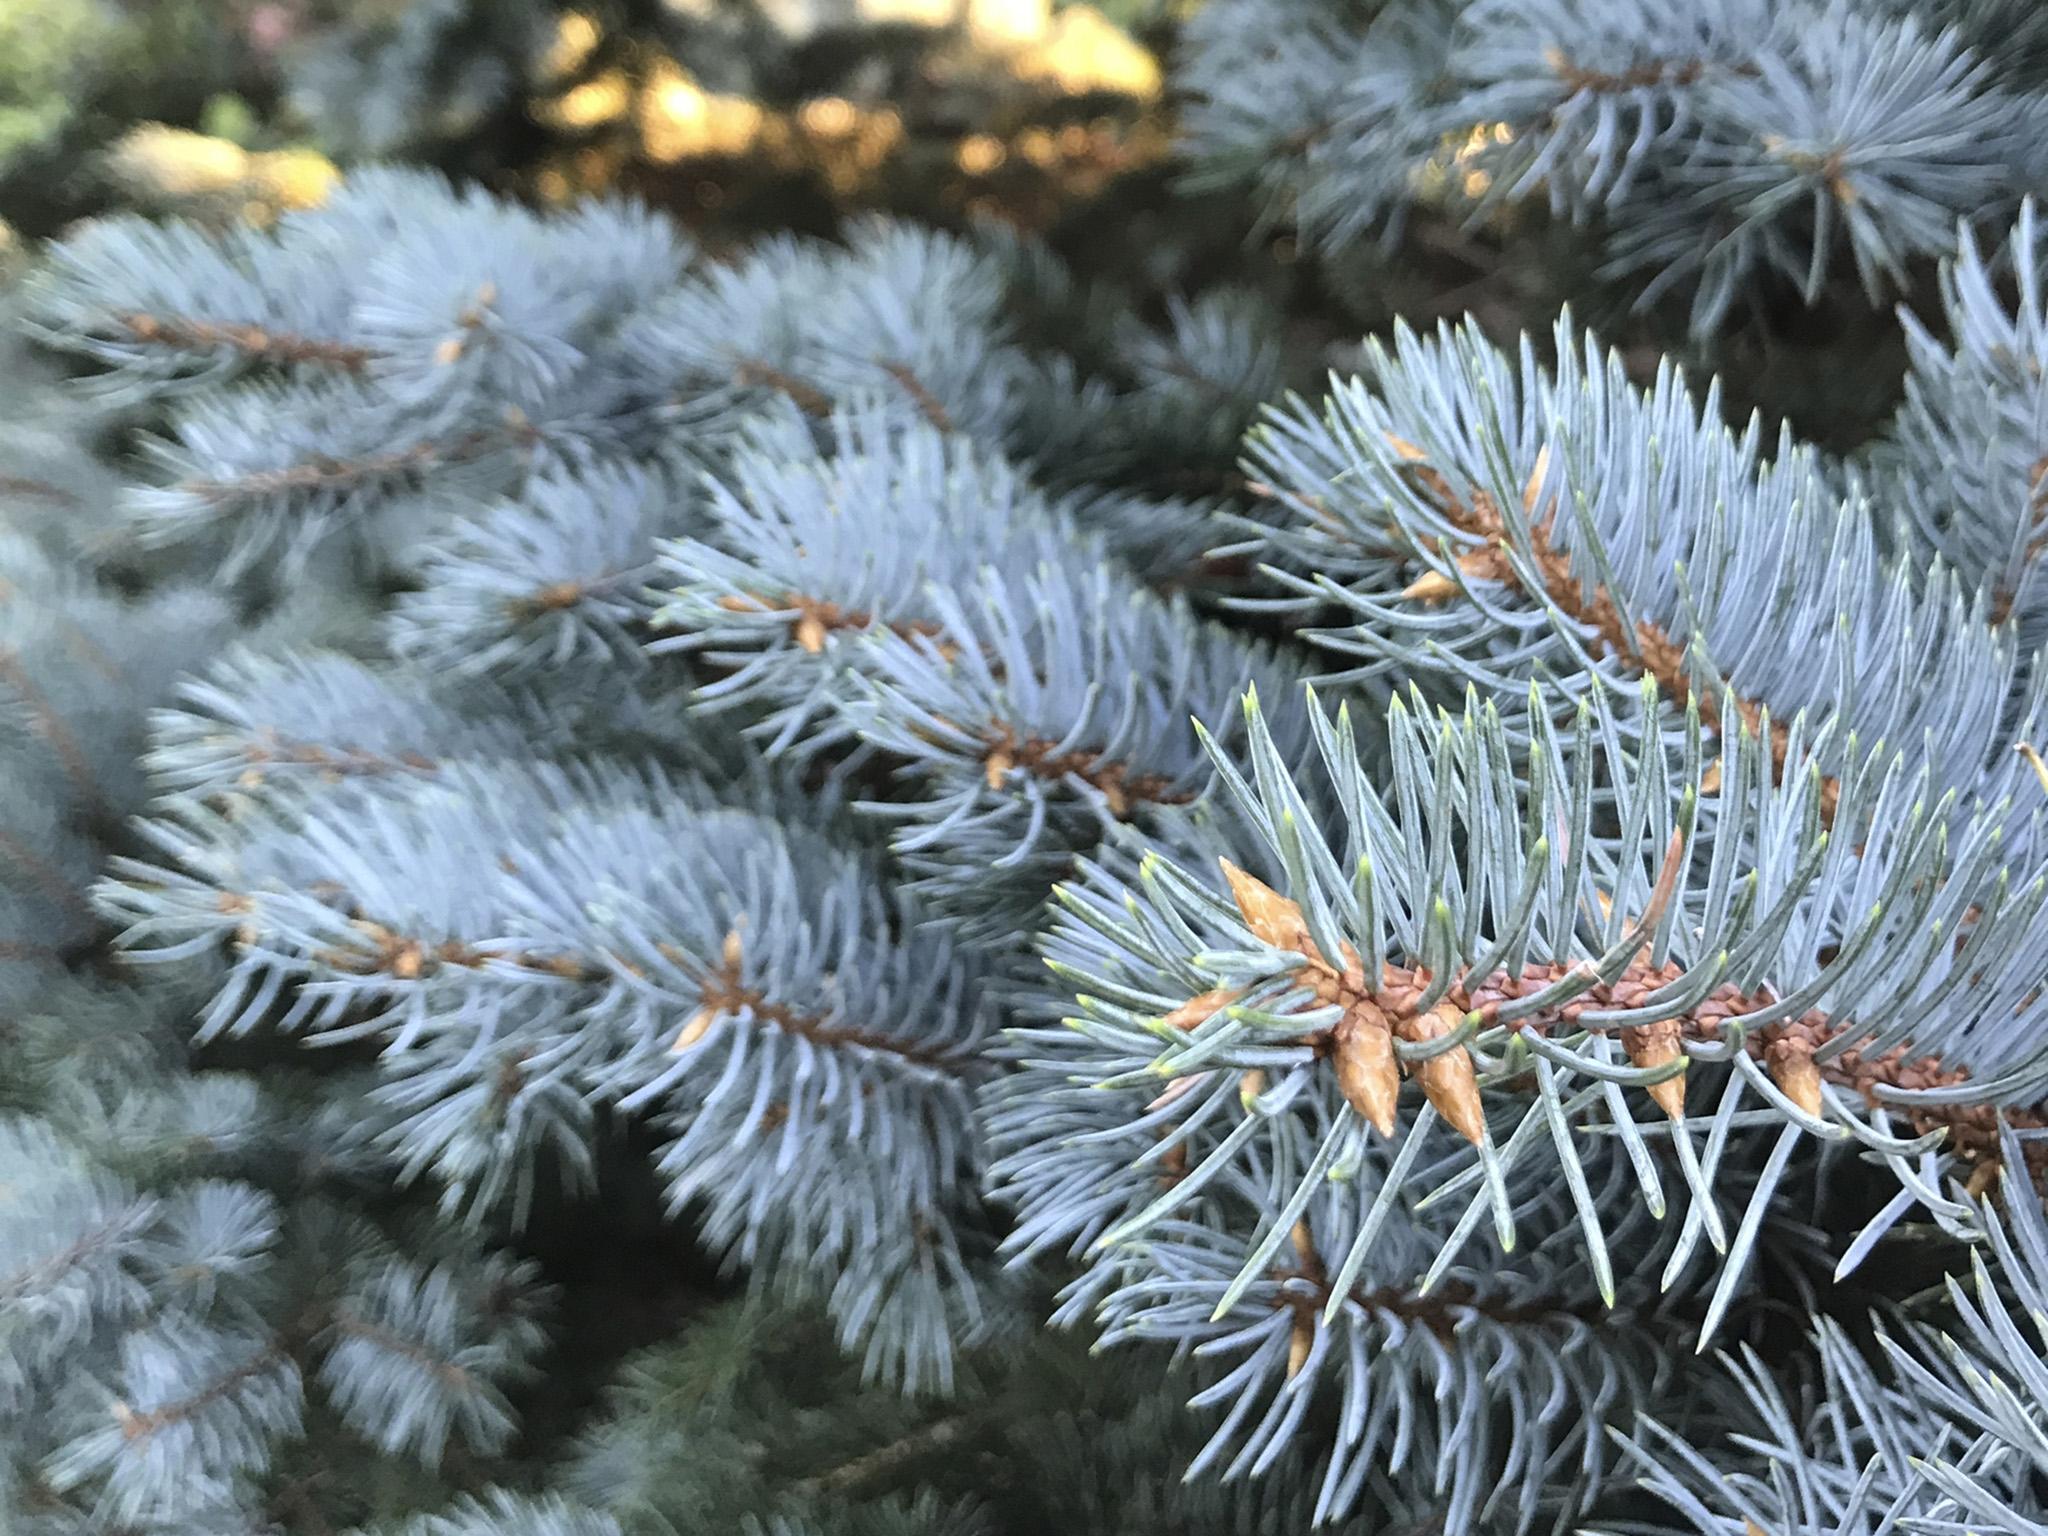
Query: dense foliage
[[877, 885]]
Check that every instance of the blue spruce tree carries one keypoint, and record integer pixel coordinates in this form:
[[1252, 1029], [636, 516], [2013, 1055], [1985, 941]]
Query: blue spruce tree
[[1402, 917]]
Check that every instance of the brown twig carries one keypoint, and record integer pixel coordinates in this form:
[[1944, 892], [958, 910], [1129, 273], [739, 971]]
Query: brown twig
[[1647, 645], [51, 726], [252, 341], [1121, 786]]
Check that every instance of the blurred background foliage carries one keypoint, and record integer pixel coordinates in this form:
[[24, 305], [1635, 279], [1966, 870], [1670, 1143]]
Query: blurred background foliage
[[734, 114], [743, 116]]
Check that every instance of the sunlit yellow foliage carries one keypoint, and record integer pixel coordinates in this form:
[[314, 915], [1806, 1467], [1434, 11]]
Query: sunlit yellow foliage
[[1452, 171], [678, 119], [194, 172], [1084, 51], [909, 13], [576, 38], [1008, 22], [589, 105], [981, 153]]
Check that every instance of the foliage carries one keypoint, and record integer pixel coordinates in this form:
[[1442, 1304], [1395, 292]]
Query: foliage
[[688, 761], [1719, 148]]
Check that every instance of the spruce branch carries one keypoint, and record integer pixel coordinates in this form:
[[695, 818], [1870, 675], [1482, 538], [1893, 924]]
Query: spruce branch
[[252, 341], [1470, 935], [1487, 522], [49, 723], [342, 477]]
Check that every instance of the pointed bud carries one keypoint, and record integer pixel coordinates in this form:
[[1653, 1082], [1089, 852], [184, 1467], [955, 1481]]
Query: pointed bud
[[730, 950], [1404, 448], [1793, 1070], [2034, 761], [1447, 1078], [1176, 1089], [1657, 1045], [1305, 1247], [1299, 1343], [999, 763], [1367, 1074], [1430, 587], [1197, 1010], [1667, 882], [693, 1030], [1269, 915], [810, 633], [1533, 491]]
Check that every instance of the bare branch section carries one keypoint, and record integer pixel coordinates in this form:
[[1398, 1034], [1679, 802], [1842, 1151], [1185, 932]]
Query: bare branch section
[[755, 373], [1646, 645], [50, 724], [813, 618], [1378, 1011], [1647, 75], [1121, 785], [387, 950], [1443, 1312], [323, 474], [252, 341], [140, 1425]]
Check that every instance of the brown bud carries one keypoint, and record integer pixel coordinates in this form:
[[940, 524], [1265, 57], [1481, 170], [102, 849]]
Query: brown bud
[[1481, 564], [1657, 1045], [1710, 781], [1175, 1089], [1430, 587], [1299, 1343], [1198, 1009], [1982, 1177], [1305, 1245], [448, 351], [1404, 448], [730, 951], [556, 596], [999, 763], [1269, 915], [810, 633], [1250, 1086], [1366, 1072], [2034, 761], [693, 1030], [1447, 1078], [406, 961], [1793, 1070], [1533, 491]]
